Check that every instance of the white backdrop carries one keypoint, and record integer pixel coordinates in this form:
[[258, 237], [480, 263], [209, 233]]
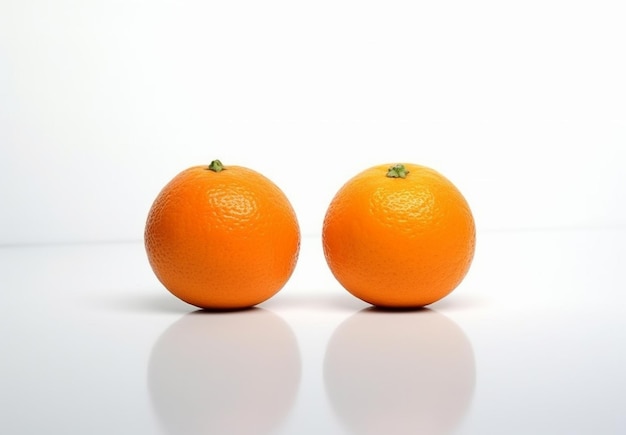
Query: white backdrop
[[521, 104]]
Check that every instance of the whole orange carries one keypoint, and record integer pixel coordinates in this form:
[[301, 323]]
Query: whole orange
[[222, 237], [399, 236]]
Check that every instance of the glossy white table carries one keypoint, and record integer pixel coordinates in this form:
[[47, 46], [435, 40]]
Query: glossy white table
[[532, 342]]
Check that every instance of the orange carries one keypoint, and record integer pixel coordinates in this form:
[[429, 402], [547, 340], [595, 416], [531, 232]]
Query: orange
[[399, 236], [222, 237]]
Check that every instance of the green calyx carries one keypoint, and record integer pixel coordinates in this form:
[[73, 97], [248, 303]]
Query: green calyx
[[216, 166], [397, 171]]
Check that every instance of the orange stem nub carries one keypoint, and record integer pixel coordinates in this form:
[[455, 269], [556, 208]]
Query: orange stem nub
[[397, 171], [216, 166]]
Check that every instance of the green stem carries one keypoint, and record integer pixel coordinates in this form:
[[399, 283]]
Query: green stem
[[397, 171], [216, 166]]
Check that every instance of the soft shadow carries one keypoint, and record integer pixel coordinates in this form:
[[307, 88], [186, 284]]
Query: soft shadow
[[233, 372], [311, 300], [399, 372], [458, 303], [159, 302]]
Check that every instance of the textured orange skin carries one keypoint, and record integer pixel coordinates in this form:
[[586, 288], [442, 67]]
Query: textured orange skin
[[222, 240], [399, 242]]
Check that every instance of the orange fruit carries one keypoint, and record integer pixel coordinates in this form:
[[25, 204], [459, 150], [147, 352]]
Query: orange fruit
[[222, 237], [399, 236]]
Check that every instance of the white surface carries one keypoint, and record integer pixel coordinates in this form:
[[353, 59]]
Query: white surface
[[532, 342], [521, 104]]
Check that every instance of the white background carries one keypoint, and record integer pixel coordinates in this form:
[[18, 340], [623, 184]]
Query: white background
[[521, 104]]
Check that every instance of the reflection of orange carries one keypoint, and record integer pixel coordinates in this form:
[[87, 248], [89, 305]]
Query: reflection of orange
[[399, 236], [403, 372], [222, 237], [224, 373]]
